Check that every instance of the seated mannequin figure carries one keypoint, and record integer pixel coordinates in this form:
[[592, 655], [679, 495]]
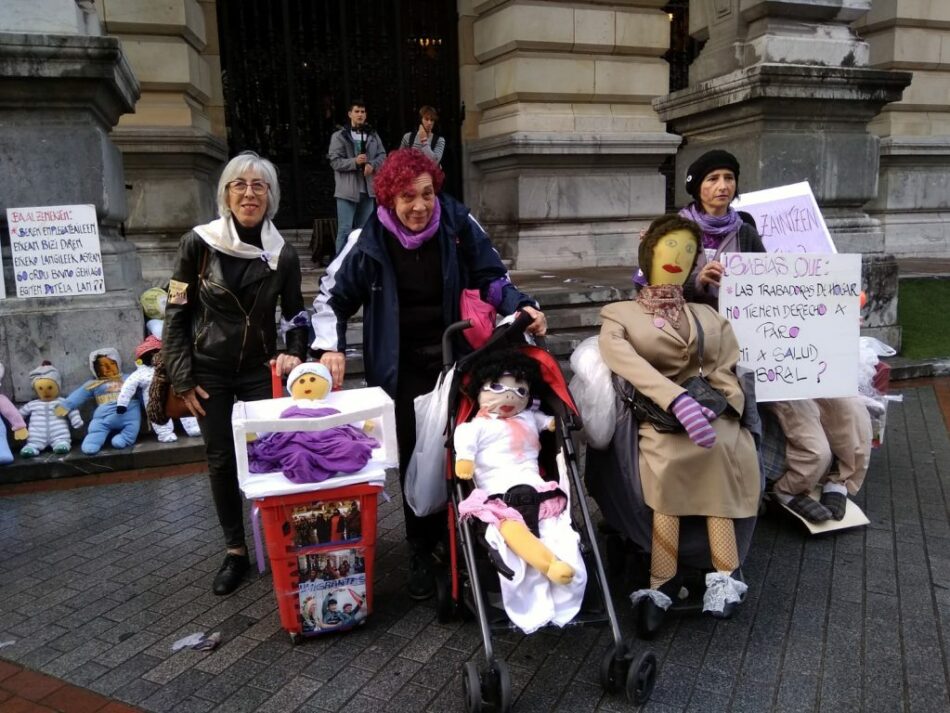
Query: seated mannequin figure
[[708, 468], [106, 366], [311, 456], [526, 515]]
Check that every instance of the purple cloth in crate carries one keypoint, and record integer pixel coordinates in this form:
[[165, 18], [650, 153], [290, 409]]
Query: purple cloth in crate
[[311, 456]]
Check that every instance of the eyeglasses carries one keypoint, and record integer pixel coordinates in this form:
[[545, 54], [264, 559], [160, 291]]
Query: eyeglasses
[[239, 188], [497, 388]]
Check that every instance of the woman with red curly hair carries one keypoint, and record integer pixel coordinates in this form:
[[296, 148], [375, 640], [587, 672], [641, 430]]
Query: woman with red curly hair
[[407, 268]]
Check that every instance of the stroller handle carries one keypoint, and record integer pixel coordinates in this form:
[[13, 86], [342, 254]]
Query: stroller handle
[[460, 326]]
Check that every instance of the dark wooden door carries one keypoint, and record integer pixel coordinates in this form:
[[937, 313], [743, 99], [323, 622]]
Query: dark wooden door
[[290, 68]]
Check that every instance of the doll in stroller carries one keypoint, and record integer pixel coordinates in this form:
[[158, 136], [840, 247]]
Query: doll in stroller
[[687, 495], [526, 561]]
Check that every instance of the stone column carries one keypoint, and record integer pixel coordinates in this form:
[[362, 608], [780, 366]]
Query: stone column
[[913, 199], [62, 88], [785, 85], [173, 145], [563, 145]]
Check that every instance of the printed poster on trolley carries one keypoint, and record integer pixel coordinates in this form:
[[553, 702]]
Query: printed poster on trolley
[[332, 592], [55, 251], [797, 319]]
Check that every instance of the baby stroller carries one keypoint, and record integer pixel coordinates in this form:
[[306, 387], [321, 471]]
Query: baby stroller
[[613, 481], [474, 587]]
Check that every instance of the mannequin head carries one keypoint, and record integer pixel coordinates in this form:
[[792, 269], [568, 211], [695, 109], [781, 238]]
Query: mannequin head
[[668, 250], [309, 381]]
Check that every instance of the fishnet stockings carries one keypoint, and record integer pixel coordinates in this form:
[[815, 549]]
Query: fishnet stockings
[[722, 544], [666, 542]]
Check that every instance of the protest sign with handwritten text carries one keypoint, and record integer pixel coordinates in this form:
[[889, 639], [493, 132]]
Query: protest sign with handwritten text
[[55, 251], [788, 219], [796, 316]]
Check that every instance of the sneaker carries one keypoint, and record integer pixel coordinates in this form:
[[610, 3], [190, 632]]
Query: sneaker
[[421, 575], [231, 574]]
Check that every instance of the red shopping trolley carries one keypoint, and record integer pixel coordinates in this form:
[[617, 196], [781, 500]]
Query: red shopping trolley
[[320, 537]]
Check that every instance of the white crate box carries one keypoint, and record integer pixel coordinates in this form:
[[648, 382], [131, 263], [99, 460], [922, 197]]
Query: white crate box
[[355, 406]]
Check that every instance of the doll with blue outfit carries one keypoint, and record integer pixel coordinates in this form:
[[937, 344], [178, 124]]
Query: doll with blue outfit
[[106, 366]]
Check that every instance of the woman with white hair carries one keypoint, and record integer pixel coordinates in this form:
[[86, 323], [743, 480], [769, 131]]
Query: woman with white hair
[[220, 333]]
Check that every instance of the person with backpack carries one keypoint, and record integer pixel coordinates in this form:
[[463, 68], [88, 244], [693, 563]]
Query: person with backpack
[[424, 138]]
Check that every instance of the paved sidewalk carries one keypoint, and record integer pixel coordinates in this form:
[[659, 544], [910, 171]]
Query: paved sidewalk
[[97, 582]]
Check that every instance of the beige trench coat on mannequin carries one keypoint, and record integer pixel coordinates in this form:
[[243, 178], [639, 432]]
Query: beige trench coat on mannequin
[[678, 477]]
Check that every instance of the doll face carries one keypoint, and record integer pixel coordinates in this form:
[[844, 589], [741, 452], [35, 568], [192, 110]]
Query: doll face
[[672, 258], [505, 397], [309, 387], [106, 368], [46, 389]]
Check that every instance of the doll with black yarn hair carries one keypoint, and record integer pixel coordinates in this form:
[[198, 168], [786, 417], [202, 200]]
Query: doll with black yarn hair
[[527, 517]]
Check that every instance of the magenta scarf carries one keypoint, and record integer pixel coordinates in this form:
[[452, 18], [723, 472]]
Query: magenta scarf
[[408, 239], [714, 228]]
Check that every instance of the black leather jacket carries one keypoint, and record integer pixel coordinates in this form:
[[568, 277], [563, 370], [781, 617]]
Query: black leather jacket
[[213, 328]]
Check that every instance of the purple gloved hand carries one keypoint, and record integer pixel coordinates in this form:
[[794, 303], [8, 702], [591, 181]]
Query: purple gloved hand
[[695, 420]]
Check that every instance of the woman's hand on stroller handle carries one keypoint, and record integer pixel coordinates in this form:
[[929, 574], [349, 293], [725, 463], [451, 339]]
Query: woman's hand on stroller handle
[[336, 363], [539, 324]]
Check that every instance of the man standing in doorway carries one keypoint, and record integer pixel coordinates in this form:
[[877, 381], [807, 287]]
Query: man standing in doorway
[[356, 153]]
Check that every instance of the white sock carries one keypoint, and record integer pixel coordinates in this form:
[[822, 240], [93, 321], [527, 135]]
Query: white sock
[[830, 487]]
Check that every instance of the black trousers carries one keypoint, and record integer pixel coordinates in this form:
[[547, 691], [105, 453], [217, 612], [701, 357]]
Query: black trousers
[[223, 389], [414, 380]]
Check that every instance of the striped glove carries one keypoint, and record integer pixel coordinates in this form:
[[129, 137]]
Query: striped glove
[[695, 420]]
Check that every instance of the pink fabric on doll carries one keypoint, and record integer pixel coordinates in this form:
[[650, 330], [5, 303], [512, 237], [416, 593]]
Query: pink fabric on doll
[[494, 511]]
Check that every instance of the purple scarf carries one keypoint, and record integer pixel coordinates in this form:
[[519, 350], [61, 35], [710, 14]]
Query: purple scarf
[[714, 228], [311, 456], [408, 239]]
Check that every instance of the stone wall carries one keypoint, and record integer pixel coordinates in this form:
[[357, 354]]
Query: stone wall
[[562, 145], [913, 198], [173, 145]]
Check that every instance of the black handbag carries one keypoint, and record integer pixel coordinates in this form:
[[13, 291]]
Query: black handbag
[[644, 409]]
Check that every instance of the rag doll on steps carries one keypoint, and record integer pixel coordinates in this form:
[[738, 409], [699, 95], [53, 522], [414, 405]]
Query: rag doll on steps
[[141, 379], [710, 467]]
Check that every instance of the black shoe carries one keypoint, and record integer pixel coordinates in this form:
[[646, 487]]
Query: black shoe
[[837, 504], [650, 618], [231, 574], [421, 575]]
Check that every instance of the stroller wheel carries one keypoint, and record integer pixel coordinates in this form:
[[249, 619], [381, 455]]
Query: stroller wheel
[[445, 605], [641, 678], [471, 687], [613, 667], [499, 678]]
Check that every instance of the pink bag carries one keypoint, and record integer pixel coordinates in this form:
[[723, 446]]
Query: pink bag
[[482, 316]]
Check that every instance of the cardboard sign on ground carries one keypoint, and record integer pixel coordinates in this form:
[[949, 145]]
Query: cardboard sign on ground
[[853, 516]]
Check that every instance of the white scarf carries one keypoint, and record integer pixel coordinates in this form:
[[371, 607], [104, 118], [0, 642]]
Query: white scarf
[[220, 235]]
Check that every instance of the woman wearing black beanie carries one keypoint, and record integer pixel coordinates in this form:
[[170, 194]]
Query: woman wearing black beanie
[[713, 182]]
